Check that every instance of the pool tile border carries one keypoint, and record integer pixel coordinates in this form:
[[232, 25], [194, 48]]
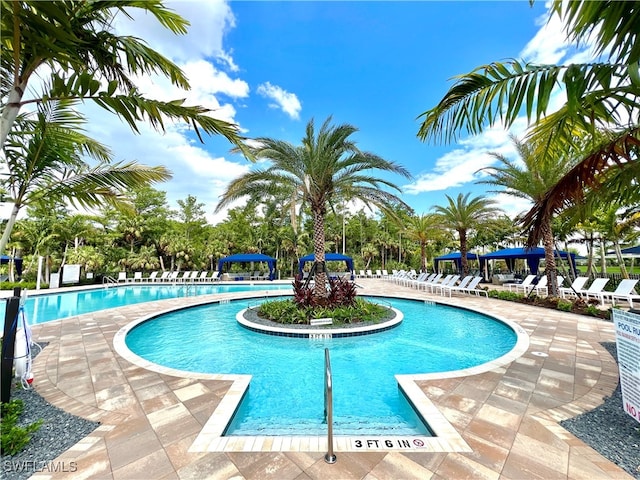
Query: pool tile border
[[211, 439]]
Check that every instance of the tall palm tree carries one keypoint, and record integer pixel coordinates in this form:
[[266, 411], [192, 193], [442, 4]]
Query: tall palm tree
[[46, 161], [89, 61], [599, 95], [462, 215], [327, 166], [530, 178], [422, 229]]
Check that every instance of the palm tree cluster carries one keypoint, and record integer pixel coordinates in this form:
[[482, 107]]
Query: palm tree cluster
[[585, 152], [578, 165]]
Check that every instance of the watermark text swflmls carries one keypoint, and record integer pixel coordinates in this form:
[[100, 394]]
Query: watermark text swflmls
[[38, 466]]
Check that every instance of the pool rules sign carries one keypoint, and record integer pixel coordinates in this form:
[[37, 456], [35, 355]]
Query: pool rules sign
[[627, 325]]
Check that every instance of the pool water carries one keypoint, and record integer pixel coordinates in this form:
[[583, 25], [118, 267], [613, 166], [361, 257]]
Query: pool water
[[44, 308], [285, 396]]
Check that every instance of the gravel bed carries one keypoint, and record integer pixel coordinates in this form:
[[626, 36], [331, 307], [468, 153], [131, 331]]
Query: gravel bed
[[607, 429], [58, 432]]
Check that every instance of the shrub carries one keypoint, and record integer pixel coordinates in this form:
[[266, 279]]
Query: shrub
[[505, 295], [14, 437], [565, 305]]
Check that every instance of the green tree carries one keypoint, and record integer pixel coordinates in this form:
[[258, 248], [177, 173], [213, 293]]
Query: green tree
[[464, 214], [327, 166], [46, 159], [423, 229], [530, 178], [88, 61], [601, 95]]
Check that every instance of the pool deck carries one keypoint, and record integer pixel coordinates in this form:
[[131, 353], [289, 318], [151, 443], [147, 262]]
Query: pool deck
[[508, 416]]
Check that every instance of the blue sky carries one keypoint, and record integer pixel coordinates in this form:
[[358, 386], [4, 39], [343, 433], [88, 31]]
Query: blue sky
[[271, 67]]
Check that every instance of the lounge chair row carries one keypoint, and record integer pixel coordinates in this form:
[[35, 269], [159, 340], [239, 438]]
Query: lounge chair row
[[173, 277], [436, 283], [624, 291]]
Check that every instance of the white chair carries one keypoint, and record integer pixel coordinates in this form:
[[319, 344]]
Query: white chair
[[463, 283], [163, 277], [576, 286], [200, 278], [524, 284], [624, 291], [445, 283], [432, 280], [137, 276], [473, 287], [151, 278], [122, 277], [594, 289]]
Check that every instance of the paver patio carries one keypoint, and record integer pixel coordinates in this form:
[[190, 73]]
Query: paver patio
[[508, 416]]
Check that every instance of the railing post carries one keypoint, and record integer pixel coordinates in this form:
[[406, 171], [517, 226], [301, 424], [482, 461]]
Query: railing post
[[328, 407]]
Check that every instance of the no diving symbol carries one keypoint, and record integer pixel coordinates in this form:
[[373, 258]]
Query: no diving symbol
[[418, 443]]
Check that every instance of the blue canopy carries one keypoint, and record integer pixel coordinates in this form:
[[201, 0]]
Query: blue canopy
[[247, 258], [532, 257], [328, 257], [17, 262], [455, 257]]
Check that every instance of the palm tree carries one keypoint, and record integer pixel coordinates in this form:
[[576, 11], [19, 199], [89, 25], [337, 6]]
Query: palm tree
[[530, 178], [327, 166], [599, 95], [421, 229], [463, 215], [46, 161], [89, 62]]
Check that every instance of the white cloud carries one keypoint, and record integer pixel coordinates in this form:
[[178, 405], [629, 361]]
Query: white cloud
[[285, 101], [195, 171], [549, 45], [460, 166], [512, 206], [209, 21]]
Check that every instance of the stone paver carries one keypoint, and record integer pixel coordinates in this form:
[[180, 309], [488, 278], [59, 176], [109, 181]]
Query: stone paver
[[508, 416]]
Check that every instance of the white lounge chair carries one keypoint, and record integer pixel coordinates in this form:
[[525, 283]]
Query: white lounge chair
[[443, 284], [473, 287], [163, 277], [594, 289], [524, 285], [463, 283], [576, 286], [420, 278], [122, 277], [624, 291], [432, 281], [151, 278], [137, 276], [200, 278]]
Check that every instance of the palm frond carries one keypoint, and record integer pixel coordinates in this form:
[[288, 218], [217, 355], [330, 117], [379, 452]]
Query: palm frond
[[587, 175]]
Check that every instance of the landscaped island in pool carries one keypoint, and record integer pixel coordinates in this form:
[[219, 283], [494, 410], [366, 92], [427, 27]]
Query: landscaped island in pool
[[285, 396]]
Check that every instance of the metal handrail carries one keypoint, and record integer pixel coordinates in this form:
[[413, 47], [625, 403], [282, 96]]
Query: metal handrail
[[328, 407], [109, 280]]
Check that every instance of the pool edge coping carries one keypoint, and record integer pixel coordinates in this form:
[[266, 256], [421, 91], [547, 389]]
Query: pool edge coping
[[211, 439]]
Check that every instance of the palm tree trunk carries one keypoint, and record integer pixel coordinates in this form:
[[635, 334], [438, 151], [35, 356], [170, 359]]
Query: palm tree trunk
[[549, 258], [320, 288], [623, 267], [463, 252], [590, 256], [423, 257], [11, 110], [9, 227]]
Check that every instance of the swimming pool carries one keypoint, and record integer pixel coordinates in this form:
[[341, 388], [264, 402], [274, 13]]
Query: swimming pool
[[286, 390], [48, 307]]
